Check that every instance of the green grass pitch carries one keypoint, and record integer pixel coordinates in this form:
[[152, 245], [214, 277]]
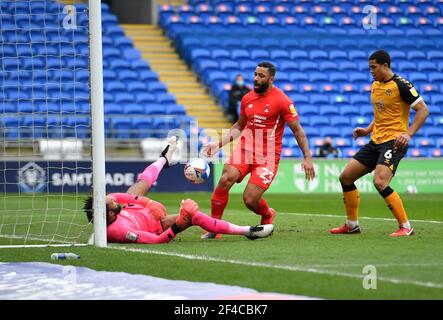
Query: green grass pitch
[[300, 258]]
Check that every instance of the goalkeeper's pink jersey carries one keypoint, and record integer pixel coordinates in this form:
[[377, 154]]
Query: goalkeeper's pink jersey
[[135, 223]]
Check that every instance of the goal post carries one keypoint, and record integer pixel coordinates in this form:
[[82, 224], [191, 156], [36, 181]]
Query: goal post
[[97, 116], [51, 112]]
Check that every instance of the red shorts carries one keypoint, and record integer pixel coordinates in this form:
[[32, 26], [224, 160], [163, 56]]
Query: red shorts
[[263, 169]]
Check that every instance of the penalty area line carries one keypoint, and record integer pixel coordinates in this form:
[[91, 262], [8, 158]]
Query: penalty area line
[[293, 268]]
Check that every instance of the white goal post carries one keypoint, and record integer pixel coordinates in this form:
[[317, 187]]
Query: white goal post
[[51, 122]]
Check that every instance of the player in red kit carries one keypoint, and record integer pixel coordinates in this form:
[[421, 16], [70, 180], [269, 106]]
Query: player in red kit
[[264, 112]]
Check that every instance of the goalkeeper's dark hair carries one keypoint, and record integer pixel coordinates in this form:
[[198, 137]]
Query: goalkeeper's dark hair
[[87, 207], [381, 57], [268, 66]]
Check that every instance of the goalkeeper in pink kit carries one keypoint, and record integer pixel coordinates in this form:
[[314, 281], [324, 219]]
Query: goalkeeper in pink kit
[[132, 217]]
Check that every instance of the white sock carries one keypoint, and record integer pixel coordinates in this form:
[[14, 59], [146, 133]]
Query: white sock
[[352, 223], [406, 225]]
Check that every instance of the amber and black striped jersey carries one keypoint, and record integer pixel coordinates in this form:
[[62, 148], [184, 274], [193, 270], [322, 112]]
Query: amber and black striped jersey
[[392, 101]]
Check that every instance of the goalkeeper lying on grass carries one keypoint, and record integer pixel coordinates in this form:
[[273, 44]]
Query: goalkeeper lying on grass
[[132, 217]]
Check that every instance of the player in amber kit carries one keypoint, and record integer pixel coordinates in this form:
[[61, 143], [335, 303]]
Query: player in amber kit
[[264, 112], [392, 97]]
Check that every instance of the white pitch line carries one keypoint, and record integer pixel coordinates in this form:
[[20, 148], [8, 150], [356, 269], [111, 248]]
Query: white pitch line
[[343, 216], [280, 267], [362, 218]]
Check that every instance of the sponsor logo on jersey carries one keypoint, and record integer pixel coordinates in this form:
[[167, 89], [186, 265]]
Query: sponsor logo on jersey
[[293, 111], [250, 106], [413, 92], [380, 105]]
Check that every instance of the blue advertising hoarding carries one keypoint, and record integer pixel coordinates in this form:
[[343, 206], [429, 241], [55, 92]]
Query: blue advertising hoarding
[[76, 176]]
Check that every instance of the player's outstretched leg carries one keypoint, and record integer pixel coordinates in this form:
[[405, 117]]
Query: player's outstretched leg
[[168, 152], [150, 174], [189, 212]]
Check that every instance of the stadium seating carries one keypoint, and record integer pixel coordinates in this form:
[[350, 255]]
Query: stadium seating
[[324, 70], [131, 88]]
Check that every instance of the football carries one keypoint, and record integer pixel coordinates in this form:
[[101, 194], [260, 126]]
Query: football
[[197, 171]]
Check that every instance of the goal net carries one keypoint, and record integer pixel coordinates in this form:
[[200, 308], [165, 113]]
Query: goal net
[[45, 121]]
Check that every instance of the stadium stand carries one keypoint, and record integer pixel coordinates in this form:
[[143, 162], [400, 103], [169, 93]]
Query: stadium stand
[[319, 47], [320, 50], [131, 89]]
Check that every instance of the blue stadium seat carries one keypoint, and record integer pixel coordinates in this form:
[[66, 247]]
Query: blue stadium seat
[[328, 66], [308, 110], [113, 108], [298, 54], [437, 99], [318, 54], [435, 55], [343, 142], [349, 111], [145, 97], [166, 98], [338, 56], [417, 153], [434, 110], [359, 100], [279, 54], [348, 66], [417, 77], [128, 75], [360, 121], [148, 75], [329, 111], [319, 121], [318, 99], [174, 109], [433, 132], [289, 66], [298, 77], [259, 54], [330, 132], [435, 77], [425, 143], [121, 127], [133, 108], [407, 66], [308, 66], [157, 87], [139, 65], [124, 97], [338, 77], [154, 109], [426, 66], [217, 54], [318, 77], [438, 121], [114, 86], [237, 54]]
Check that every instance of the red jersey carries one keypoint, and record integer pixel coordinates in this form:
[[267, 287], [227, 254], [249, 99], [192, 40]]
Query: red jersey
[[266, 118]]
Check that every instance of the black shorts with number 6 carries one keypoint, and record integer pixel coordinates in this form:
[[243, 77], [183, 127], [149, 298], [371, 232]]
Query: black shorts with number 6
[[373, 154]]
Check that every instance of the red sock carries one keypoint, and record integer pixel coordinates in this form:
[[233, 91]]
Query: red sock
[[218, 202], [262, 208], [216, 225]]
